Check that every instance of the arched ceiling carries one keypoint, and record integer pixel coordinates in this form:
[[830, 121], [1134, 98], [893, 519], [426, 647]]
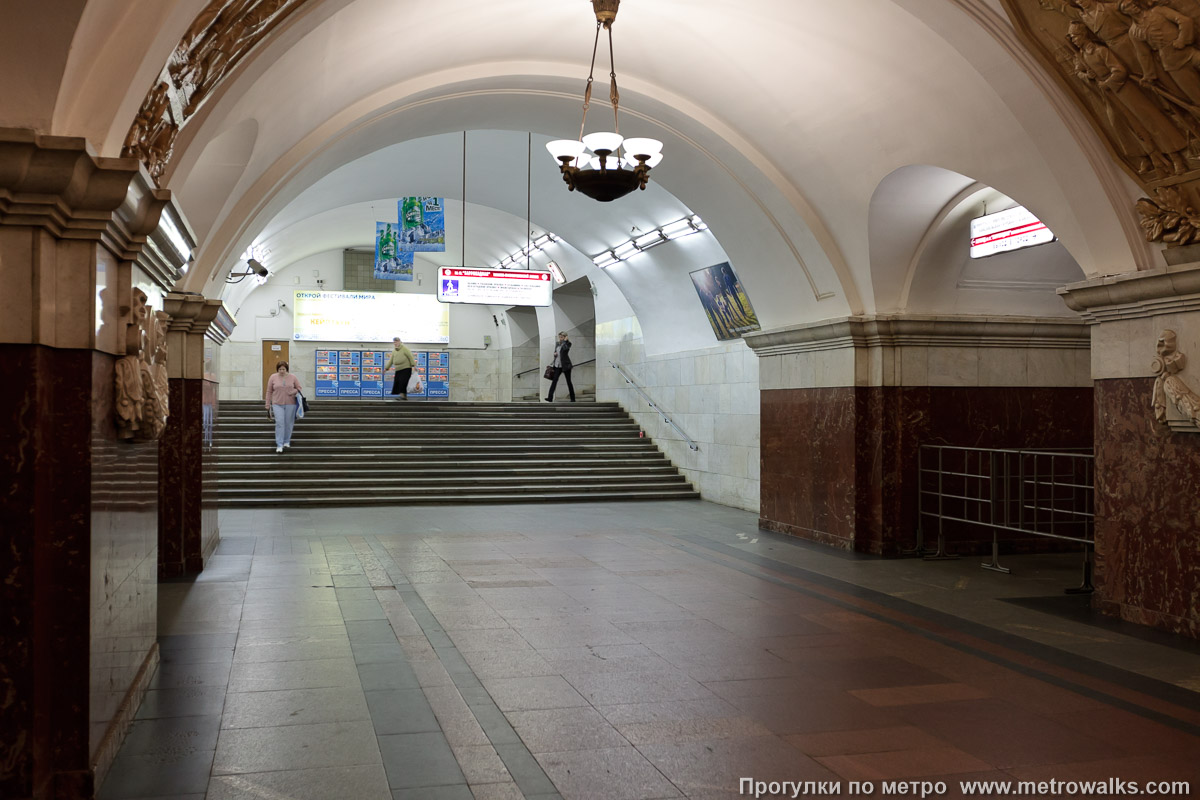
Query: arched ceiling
[[780, 117]]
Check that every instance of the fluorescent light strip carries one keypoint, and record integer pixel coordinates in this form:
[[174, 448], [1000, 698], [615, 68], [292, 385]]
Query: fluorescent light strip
[[537, 245], [669, 232]]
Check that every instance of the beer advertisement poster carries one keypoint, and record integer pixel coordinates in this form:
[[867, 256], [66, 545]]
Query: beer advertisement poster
[[422, 224], [391, 263]]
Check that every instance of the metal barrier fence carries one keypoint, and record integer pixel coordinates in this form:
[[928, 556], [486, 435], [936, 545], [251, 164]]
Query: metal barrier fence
[[1048, 493]]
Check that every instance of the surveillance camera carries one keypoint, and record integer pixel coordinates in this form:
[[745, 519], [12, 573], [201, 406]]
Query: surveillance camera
[[257, 268]]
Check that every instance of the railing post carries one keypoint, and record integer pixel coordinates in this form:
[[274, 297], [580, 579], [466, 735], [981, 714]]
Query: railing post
[[994, 564]]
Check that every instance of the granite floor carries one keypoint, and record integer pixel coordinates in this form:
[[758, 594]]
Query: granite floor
[[636, 650]]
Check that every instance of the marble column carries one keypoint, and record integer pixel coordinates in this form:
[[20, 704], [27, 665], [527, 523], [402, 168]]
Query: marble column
[[1147, 470], [846, 405], [187, 524], [77, 636]]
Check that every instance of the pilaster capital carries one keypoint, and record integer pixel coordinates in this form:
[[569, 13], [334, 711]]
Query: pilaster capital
[[1132, 295], [198, 315]]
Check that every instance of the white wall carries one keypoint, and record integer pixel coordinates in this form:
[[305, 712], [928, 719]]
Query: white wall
[[473, 367], [711, 393]]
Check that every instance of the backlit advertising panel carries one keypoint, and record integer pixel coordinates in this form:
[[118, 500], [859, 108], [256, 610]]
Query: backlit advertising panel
[[369, 317], [1005, 231], [494, 287]]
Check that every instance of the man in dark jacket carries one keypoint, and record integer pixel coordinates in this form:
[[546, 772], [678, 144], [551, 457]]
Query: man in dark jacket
[[562, 366]]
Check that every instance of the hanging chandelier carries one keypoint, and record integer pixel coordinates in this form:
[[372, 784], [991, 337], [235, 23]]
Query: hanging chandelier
[[604, 165]]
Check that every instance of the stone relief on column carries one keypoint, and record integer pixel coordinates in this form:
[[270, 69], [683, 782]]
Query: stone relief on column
[[141, 384], [223, 33], [1134, 67], [1168, 385]]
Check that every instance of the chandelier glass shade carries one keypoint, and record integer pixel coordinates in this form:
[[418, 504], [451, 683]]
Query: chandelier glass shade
[[604, 165]]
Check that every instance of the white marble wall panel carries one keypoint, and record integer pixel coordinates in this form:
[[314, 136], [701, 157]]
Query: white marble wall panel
[[712, 394], [952, 366]]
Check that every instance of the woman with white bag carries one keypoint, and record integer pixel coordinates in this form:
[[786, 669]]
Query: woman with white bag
[[403, 362], [280, 400]]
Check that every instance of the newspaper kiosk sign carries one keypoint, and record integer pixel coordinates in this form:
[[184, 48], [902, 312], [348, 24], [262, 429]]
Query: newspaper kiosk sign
[[494, 287], [1007, 230]]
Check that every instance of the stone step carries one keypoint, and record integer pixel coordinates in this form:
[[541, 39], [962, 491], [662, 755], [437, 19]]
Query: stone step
[[252, 472], [380, 453], [372, 481], [352, 499]]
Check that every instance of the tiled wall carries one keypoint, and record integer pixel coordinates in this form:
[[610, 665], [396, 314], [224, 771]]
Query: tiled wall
[[712, 394], [358, 273]]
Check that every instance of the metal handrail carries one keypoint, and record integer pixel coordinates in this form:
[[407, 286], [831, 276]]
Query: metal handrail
[[535, 369], [649, 401]]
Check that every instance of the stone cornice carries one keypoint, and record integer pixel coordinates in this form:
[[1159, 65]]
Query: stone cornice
[[56, 183], [922, 331], [1135, 294], [198, 315]]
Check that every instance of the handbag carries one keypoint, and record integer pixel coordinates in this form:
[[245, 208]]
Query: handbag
[[548, 374], [303, 402]]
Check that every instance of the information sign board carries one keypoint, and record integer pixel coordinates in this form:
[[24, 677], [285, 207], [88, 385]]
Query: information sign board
[[499, 287]]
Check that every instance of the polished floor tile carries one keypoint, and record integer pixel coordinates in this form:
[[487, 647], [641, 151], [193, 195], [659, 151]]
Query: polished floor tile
[[623, 651]]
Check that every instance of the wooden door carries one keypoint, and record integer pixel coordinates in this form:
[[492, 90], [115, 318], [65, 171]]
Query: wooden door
[[273, 351]]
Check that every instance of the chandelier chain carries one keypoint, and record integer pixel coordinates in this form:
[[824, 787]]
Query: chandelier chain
[[587, 92], [613, 94]]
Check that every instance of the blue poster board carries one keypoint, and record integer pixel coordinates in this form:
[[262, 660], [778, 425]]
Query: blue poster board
[[419, 369], [360, 373], [372, 373], [349, 373], [327, 375], [437, 378]]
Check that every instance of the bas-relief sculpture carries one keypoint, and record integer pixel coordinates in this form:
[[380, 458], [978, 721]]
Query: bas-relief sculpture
[[223, 33], [1134, 66], [141, 384], [1168, 385]]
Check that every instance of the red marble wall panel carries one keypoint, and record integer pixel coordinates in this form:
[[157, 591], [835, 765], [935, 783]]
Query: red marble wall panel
[[808, 464], [44, 572], [839, 465], [1147, 512], [171, 479], [186, 486]]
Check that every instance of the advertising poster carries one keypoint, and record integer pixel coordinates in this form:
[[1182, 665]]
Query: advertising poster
[[321, 316], [498, 287], [437, 378], [422, 224], [372, 373], [391, 263], [327, 373], [419, 370], [360, 373], [725, 301], [349, 373]]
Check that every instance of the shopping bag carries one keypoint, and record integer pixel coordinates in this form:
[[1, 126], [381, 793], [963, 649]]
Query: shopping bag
[[414, 384]]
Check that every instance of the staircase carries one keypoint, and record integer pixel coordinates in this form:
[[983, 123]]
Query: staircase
[[359, 452]]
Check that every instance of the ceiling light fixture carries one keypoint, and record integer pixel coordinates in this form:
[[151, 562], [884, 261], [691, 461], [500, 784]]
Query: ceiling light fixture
[[599, 174], [665, 233], [518, 258]]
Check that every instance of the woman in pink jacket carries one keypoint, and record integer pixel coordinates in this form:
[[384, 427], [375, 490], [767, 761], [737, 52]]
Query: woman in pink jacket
[[280, 400]]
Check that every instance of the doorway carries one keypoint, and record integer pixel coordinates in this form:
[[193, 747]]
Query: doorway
[[273, 351]]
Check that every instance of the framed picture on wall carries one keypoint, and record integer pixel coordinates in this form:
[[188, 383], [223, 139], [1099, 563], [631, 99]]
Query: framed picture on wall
[[725, 301]]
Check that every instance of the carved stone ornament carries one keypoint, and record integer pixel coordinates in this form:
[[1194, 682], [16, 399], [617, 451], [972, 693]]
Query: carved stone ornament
[[1134, 67], [141, 382], [1168, 385], [223, 33]]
